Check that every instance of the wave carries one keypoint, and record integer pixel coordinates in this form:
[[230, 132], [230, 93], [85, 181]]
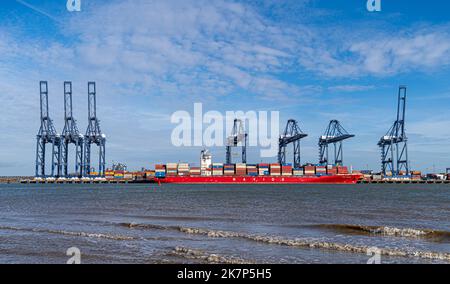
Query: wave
[[145, 226], [389, 231], [310, 243], [182, 218], [207, 257], [68, 233]]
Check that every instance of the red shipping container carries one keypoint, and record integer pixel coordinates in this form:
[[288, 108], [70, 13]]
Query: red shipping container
[[332, 171], [342, 170]]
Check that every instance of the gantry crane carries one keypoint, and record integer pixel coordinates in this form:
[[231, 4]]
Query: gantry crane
[[335, 134], [71, 135], [238, 136], [394, 146], [93, 135], [47, 135], [292, 134]]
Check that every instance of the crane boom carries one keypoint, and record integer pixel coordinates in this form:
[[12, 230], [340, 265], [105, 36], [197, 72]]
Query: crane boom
[[292, 135]]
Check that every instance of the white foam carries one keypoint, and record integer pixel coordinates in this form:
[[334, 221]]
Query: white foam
[[310, 243], [207, 257], [69, 233]]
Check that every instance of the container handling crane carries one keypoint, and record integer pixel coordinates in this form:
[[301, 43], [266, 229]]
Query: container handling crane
[[292, 135], [334, 134], [394, 146], [238, 135], [93, 135], [47, 135], [71, 135]]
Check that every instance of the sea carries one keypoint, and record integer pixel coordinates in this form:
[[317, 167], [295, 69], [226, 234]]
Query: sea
[[232, 224]]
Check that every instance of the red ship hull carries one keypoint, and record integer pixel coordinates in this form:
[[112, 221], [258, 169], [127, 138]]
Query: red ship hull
[[334, 179]]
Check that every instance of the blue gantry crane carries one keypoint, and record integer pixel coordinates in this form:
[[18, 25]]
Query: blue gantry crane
[[93, 135], [71, 135], [394, 146], [292, 135], [238, 136], [47, 135], [334, 135]]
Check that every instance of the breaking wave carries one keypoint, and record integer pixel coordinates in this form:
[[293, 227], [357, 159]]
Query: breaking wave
[[209, 258], [299, 242], [389, 231], [311, 243], [69, 233]]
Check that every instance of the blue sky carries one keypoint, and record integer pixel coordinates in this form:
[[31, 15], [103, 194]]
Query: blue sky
[[312, 60]]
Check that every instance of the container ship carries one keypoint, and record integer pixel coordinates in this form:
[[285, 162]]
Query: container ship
[[219, 173], [337, 179]]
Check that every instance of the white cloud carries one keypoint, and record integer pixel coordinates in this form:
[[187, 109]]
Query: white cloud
[[227, 46], [424, 49], [350, 88], [435, 128], [339, 52]]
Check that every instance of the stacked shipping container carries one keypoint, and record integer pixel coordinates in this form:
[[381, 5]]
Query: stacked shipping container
[[217, 169], [109, 174], [195, 171], [342, 170], [310, 170], [275, 169], [331, 170], [183, 169], [160, 171], [139, 176], [416, 175], [321, 170], [252, 170], [228, 170], [241, 169], [171, 169], [298, 172], [205, 171], [119, 174], [263, 169], [286, 170]]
